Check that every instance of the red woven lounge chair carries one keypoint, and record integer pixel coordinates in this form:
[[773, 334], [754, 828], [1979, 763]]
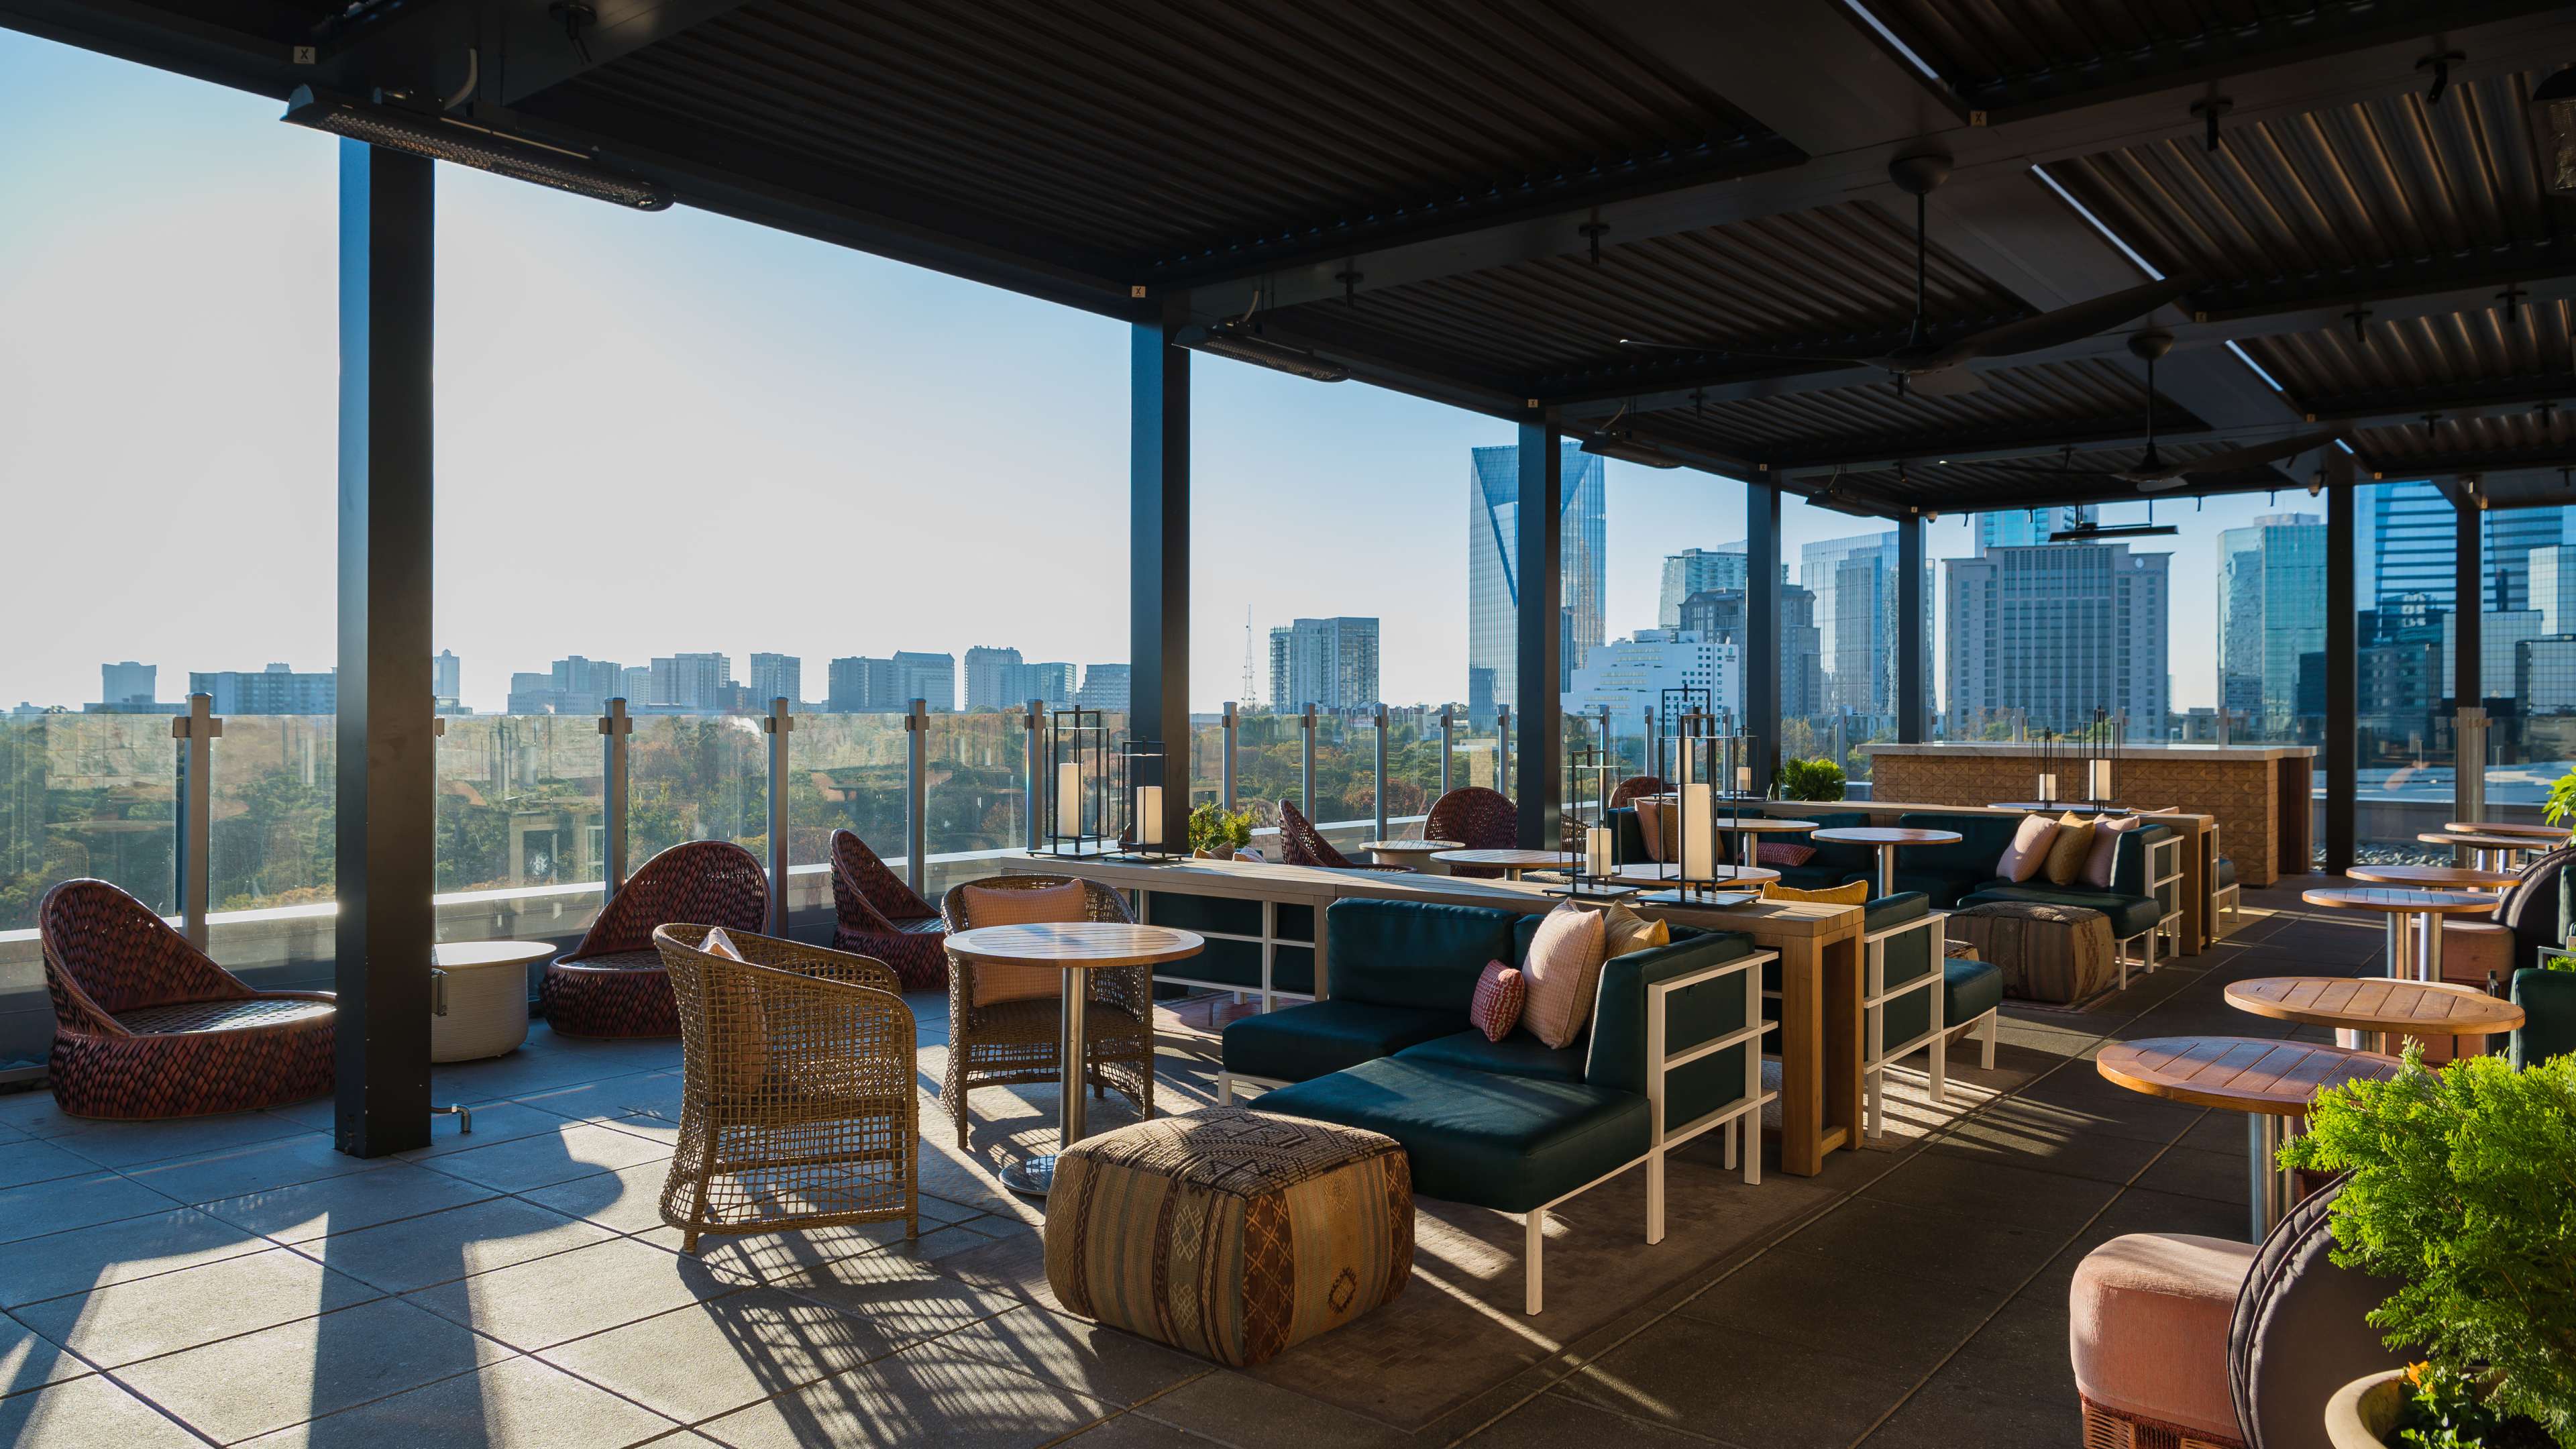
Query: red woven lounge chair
[[1636, 785], [613, 983], [1300, 843], [146, 1025], [1478, 819], [880, 916]]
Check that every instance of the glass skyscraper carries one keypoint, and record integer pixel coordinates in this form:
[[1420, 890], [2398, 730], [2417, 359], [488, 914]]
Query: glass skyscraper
[[2411, 536], [1493, 584], [1854, 581], [2056, 631], [2271, 610], [2022, 528]]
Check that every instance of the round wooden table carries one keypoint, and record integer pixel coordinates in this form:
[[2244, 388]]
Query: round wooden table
[[1650, 875], [2272, 1082], [2486, 852], [1747, 829], [2555, 834], [1887, 838], [2376, 1007], [1513, 862], [479, 997], [2080, 807], [1073, 947], [1411, 854], [2433, 877], [2423, 910]]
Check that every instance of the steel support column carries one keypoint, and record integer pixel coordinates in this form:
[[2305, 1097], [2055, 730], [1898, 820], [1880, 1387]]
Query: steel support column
[[2343, 665], [1158, 554], [1538, 561], [2468, 664], [1913, 627], [778, 724], [1760, 651], [384, 823]]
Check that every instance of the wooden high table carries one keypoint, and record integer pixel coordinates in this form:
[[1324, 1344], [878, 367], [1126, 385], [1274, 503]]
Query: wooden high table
[[1411, 854], [2424, 908], [1887, 838], [2433, 877], [2272, 1082], [2487, 852], [1073, 947], [1512, 862], [2377, 1007]]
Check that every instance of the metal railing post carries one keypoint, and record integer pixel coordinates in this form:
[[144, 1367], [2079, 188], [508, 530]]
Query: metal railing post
[[1503, 748], [615, 727], [1226, 727], [916, 793], [1306, 761], [778, 724], [1035, 719], [1381, 772], [2469, 769], [1448, 744], [196, 731]]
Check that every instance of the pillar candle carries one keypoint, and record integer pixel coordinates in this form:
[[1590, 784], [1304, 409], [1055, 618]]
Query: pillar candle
[[1597, 850], [2047, 787], [1149, 815], [1068, 798], [1744, 779], [2101, 779], [1699, 834]]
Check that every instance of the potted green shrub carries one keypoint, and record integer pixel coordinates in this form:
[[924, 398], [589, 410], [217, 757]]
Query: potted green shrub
[[2462, 1187], [1217, 833], [1809, 780]]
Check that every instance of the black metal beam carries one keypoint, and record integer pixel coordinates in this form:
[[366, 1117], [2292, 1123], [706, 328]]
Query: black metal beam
[[1759, 653], [542, 54], [1538, 552], [1913, 616], [2343, 668], [385, 827], [2468, 605], [1158, 558]]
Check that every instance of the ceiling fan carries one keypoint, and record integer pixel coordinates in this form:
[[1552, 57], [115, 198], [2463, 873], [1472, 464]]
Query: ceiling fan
[[1941, 369], [2153, 473]]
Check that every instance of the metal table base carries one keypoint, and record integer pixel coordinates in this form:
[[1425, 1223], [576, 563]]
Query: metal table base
[[1034, 1175]]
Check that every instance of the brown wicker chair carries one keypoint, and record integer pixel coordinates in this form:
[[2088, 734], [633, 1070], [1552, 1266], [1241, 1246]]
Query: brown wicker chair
[[797, 1107], [1477, 818], [1636, 785], [878, 915], [146, 1025], [613, 983], [1011, 1042], [1300, 843]]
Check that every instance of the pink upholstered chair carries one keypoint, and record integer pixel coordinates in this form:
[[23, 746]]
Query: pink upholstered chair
[[1477, 818], [877, 915]]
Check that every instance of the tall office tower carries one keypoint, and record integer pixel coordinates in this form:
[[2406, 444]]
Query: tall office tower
[[130, 683], [2552, 587], [989, 683], [446, 679], [635, 684], [1328, 663], [2057, 631], [1052, 682], [533, 693], [776, 676], [1104, 686], [274, 690], [2410, 545], [857, 684], [1718, 616], [2025, 528], [1630, 675], [1854, 581], [1696, 571], [694, 681], [2271, 610], [930, 678], [1493, 563]]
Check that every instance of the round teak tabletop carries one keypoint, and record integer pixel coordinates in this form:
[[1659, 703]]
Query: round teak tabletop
[[1887, 835], [1076, 945], [1757, 824], [1508, 859], [2376, 1003], [2476, 841], [1646, 874], [2394, 899], [2452, 877], [2498, 827], [1409, 847], [467, 955], [2274, 1078]]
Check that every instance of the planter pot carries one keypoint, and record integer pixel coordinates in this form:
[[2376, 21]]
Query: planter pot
[[2365, 1409]]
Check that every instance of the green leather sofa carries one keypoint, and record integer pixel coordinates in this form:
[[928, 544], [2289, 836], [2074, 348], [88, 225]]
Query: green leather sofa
[[1514, 1125], [2548, 1002]]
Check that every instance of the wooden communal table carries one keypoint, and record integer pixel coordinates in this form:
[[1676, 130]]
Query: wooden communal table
[[2424, 909], [2272, 1082], [1819, 946], [1512, 862], [1411, 854], [1073, 947], [2385, 1012], [1887, 838], [1651, 876], [2486, 851], [2433, 877]]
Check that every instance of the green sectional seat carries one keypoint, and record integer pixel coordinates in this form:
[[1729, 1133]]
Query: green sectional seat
[[1909, 957], [2548, 1002], [1969, 989], [1963, 874], [1507, 1143], [1517, 1055], [1297, 1042]]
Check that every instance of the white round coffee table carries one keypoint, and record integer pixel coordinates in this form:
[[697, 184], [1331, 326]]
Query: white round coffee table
[[479, 999]]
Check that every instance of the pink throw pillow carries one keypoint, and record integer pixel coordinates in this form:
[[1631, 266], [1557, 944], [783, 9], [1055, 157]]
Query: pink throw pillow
[[1500, 993], [2029, 849], [1564, 969], [1650, 824], [1028, 906], [1782, 853], [2106, 846]]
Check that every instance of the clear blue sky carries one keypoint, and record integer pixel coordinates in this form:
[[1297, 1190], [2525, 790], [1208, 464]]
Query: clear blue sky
[[679, 432]]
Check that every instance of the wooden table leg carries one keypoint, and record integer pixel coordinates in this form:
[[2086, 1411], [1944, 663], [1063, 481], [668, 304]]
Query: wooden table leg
[[1844, 1024], [1820, 1052]]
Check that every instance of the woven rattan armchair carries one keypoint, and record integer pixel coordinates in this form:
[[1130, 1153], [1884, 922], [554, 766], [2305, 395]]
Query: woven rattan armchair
[[797, 1107], [1477, 818], [614, 983], [146, 1025], [878, 915], [1636, 785], [1300, 843], [1009, 1042]]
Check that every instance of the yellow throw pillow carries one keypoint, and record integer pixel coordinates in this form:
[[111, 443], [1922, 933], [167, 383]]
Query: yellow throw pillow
[[2068, 850], [1623, 931], [1854, 894]]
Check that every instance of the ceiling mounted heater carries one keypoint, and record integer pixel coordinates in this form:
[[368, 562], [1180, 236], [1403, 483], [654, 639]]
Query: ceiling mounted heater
[[1629, 450], [1235, 340], [441, 138], [2097, 532]]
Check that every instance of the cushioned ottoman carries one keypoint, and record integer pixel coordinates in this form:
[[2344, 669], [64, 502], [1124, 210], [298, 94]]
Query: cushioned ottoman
[[1229, 1233], [2046, 953], [2147, 1325]]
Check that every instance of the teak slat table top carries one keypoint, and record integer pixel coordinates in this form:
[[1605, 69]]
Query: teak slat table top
[[1756, 824], [2431, 875], [1509, 859], [2499, 827], [2241, 1074], [1076, 945], [2391, 898], [2376, 1003], [1887, 835], [2476, 841], [1746, 875], [1411, 847]]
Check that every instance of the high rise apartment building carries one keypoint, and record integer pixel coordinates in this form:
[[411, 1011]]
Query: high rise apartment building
[[693, 681], [1493, 564], [446, 680], [1000, 679], [1105, 686], [278, 689], [1328, 663], [2271, 612], [2056, 631], [776, 676], [859, 684], [1696, 571], [1854, 581]]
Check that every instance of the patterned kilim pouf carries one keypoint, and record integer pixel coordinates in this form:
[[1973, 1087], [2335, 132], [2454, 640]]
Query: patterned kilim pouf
[[2060, 954], [1229, 1233]]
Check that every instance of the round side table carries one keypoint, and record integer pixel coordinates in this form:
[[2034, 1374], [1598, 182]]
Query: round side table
[[2425, 909], [479, 997], [1411, 854], [1886, 838], [2385, 1012]]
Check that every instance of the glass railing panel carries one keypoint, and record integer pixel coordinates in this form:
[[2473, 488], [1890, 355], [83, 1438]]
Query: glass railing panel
[[522, 826], [87, 795], [697, 777], [1266, 745], [846, 772], [978, 782], [274, 783]]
